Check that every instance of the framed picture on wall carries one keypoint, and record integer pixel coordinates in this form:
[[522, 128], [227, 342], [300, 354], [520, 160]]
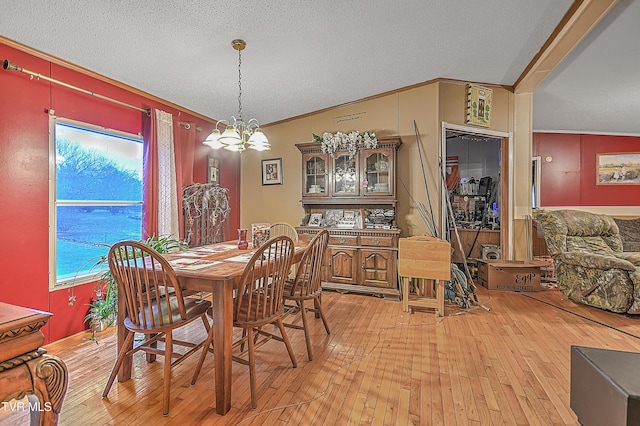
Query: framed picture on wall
[[213, 170], [479, 104], [618, 168], [272, 171]]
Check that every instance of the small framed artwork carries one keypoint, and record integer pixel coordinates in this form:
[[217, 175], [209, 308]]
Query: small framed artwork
[[272, 171], [618, 168], [213, 170], [315, 219], [479, 105]]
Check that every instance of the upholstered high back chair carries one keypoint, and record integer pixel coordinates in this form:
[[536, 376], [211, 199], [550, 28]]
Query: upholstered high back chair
[[590, 266]]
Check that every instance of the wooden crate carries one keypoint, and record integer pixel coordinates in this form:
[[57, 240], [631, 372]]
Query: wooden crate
[[428, 258]]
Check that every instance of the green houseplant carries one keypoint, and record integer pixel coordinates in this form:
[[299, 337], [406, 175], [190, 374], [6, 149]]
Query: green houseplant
[[103, 311]]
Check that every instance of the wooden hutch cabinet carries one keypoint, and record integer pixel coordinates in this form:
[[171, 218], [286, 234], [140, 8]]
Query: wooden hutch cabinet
[[354, 198]]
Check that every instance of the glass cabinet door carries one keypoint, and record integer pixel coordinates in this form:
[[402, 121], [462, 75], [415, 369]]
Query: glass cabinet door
[[345, 176], [377, 166], [315, 175]]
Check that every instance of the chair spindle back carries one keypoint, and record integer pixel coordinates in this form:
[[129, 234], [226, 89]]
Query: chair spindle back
[[260, 295], [148, 283], [283, 228], [307, 280]]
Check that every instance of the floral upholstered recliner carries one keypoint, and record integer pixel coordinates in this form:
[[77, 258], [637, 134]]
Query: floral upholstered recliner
[[590, 266]]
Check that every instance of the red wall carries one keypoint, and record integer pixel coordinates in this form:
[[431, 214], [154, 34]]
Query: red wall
[[229, 178], [24, 162], [569, 179]]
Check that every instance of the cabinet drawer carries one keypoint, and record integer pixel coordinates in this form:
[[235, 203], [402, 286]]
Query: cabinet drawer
[[376, 241], [343, 240], [305, 237]]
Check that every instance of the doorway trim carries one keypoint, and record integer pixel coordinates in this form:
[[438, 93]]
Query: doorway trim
[[507, 138]]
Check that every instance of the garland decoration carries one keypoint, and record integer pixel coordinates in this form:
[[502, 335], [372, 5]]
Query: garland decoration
[[349, 142]]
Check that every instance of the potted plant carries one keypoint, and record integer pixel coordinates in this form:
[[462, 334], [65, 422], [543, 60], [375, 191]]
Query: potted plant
[[103, 311]]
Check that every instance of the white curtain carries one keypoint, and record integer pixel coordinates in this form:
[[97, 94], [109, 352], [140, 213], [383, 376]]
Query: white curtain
[[167, 193]]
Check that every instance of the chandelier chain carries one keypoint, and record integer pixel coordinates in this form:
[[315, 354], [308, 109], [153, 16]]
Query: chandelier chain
[[239, 84]]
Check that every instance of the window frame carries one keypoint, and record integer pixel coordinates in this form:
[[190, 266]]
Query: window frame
[[536, 175], [54, 283]]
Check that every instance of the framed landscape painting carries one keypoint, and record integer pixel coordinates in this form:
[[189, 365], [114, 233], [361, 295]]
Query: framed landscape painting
[[618, 168]]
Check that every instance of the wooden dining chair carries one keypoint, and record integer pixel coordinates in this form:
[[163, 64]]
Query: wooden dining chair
[[306, 286], [259, 302], [155, 306], [283, 228]]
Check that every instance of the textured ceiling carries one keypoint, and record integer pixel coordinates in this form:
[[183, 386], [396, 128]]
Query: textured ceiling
[[596, 88], [301, 56]]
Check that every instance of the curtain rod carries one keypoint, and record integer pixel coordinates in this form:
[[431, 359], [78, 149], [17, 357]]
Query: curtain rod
[[8, 65]]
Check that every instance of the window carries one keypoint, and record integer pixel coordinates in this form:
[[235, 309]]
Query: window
[[535, 182], [96, 189]]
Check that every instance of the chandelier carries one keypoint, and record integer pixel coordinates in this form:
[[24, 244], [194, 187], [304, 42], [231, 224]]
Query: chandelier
[[238, 134]]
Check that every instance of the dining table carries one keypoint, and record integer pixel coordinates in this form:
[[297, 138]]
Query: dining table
[[215, 269]]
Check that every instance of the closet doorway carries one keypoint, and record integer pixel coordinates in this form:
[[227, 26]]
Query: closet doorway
[[476, 192]]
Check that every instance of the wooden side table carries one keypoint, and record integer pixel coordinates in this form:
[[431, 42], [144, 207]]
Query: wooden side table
[[426, 258], [25, 367]]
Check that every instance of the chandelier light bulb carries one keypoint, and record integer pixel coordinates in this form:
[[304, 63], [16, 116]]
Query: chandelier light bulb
[[213, 140], [230, 136], [258, 141]]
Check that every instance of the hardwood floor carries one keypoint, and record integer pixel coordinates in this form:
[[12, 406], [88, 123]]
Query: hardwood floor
[[509, 365]]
